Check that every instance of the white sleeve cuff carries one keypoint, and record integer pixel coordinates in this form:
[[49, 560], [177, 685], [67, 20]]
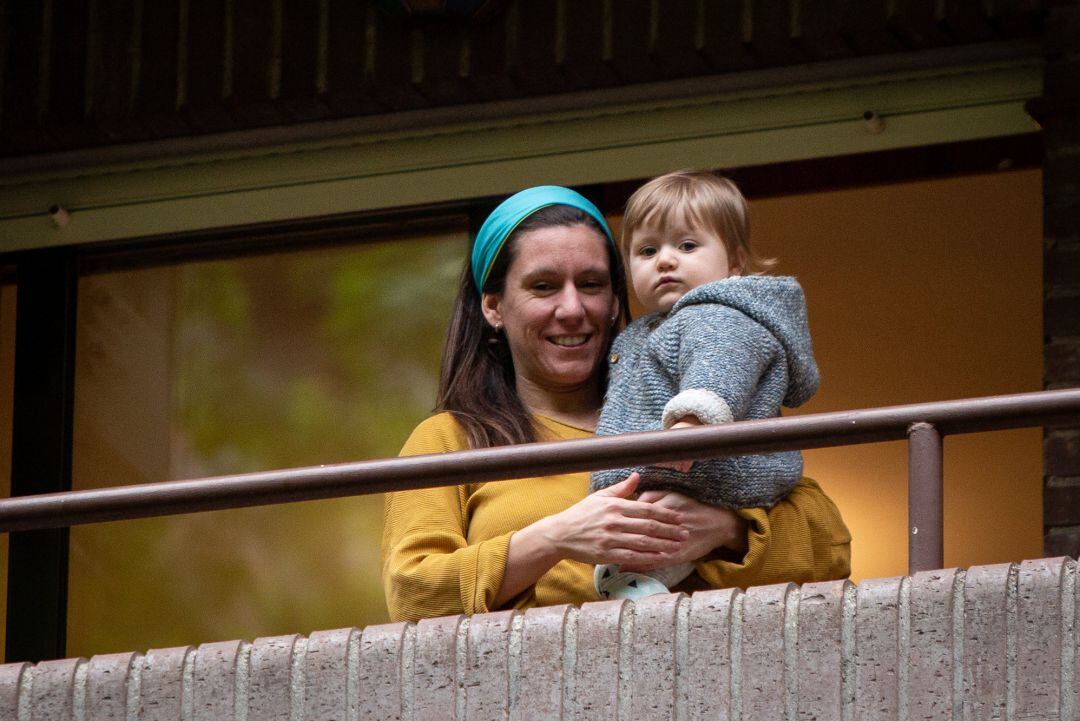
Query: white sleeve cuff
[[705, 405]]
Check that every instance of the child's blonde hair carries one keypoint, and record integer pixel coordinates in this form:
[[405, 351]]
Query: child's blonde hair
[[700, 198]]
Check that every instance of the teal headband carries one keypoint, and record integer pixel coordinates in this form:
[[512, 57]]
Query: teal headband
[[504, 219]]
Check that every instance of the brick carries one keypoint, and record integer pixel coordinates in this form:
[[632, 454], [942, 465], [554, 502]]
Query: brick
[[1061, 453], [654, 662], [709, 654], [827, 650], [543, 646], [435, 684], [1070, 640], [1061, 212], [487, 666], [1061, 138], [1060, 79], [162, 683], [1061, 135], [330, 655], [11, 677], [763, 651], [107, 685], [1061, 217], [1061, 360], [52, 694], [985, 632], [1061, 505], [1062, 266], [877, 642], [269, 685], [821, 651], [216, 668], [1061, 316], [1061, 162], [597, 659], [930, 654], [384, 669], [1062, 542], [1038, 632], [1062, 29]]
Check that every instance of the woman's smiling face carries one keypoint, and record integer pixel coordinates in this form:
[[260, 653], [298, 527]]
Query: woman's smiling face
[[557, 307]]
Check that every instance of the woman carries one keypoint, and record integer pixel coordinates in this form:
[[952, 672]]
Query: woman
[[525, 360]]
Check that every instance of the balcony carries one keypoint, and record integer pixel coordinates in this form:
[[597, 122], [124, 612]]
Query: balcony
[[987, 642]]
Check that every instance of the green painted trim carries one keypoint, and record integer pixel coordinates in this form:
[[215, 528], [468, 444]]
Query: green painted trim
[[467, 160]]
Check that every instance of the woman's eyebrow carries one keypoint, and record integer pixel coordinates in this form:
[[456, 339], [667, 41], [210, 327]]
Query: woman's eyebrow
[[548, 272], [537, 273]]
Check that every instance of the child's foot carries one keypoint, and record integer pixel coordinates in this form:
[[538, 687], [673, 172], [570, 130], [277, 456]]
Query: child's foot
[[611, 583]]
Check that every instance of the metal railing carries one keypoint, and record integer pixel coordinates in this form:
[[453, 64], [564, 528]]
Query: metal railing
[[923, 424]]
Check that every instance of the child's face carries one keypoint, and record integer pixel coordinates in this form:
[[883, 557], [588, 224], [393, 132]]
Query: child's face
[[666, 264]]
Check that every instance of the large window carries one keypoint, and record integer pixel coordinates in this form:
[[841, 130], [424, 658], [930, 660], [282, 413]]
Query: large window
[[922, 290], [226, 366]]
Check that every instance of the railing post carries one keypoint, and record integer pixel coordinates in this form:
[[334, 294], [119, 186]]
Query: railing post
[[926, 516]]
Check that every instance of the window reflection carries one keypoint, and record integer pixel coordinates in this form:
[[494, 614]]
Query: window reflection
[[227, 366]]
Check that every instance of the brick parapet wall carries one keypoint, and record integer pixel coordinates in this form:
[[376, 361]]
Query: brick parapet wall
[[990, 642], [1059, 113]]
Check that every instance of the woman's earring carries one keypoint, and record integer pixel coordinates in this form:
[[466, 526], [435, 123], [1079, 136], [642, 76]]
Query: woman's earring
[[613, 319], [496, 329]]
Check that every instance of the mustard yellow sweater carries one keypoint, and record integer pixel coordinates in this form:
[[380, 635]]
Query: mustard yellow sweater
[[444, 549]]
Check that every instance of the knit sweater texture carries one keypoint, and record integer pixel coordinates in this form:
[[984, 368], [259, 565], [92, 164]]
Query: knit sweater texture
[[734, 349]]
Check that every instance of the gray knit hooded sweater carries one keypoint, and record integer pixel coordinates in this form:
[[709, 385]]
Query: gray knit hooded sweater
[[734, 349]]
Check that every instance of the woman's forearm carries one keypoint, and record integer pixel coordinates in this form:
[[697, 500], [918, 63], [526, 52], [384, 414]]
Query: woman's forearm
[[532, 553]]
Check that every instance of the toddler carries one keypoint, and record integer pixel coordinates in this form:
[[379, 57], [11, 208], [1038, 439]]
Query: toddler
[[720, 343]]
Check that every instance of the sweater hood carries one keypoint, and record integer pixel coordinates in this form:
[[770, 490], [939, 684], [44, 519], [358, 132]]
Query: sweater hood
[[778, 304]]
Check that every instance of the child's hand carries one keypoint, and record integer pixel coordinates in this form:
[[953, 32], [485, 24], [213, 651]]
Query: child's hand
[[652, 496], [684, 422], [609, 527], [710, 526]]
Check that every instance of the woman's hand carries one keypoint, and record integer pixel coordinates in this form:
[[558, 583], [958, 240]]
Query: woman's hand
[[709, 527], [609, 527], [603, 527]]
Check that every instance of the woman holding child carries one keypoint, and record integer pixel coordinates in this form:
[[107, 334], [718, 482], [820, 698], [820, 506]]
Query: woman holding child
[[526, 359]]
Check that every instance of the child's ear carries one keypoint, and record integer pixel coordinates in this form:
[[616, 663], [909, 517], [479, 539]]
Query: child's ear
[[738, 267]]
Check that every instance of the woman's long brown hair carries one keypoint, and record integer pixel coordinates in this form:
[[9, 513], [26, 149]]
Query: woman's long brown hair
[[476, 383]]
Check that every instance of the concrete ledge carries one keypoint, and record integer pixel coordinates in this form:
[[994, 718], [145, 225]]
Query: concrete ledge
[[989, 642]]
